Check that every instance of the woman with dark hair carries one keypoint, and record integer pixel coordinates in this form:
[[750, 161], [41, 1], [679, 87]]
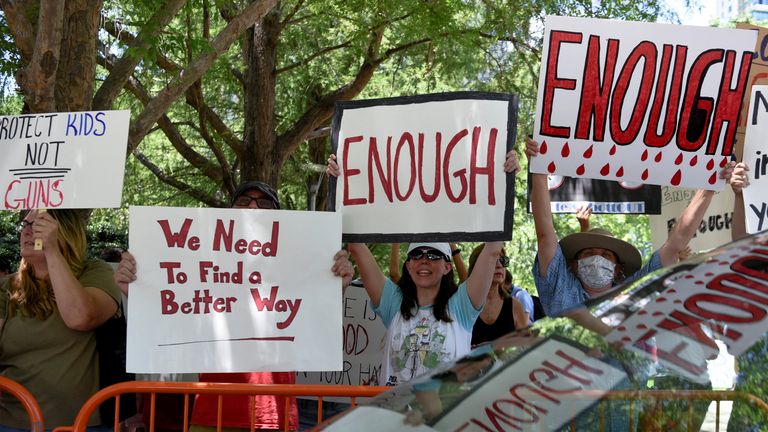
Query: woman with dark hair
[[502, 313], [49, 309], [428, 318]]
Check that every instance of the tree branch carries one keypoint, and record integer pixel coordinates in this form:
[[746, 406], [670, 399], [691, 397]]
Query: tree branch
[[318, 113], [195, 159], [123, 69], [251, 14], [313, 56], [175, 183], [289, 16], [21, 28]]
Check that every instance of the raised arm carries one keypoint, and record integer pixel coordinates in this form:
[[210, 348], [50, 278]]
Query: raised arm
[[479, 282], [519, 314], [394, 262], [686, 227], [546, 237], [689, 221], [373, 278], [582, 215], [81, 307], [739, 180], [458, 262]]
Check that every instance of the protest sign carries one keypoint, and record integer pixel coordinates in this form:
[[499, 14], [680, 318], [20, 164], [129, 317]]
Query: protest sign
[[230, 290], [756, 158], [63, 160], [543, 389], [372, 419], [427, 167], [568, 194], [641, 102], [363, 334], [758, 75], [714, 229], [725, 298]]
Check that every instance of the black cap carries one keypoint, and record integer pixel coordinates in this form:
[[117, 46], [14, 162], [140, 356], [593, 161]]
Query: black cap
[[259, 186]]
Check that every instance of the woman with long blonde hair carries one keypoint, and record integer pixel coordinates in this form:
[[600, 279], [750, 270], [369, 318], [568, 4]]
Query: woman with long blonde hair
[[48, 311]]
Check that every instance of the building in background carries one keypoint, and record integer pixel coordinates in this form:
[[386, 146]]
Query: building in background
[[727, 9]]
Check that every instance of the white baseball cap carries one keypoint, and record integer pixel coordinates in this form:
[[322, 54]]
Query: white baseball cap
[[444, 248]]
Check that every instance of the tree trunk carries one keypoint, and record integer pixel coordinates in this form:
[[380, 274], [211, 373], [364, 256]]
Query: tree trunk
[[259, 159], [77, 64]]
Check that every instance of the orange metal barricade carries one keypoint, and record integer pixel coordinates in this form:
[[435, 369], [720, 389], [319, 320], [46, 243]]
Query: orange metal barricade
[[27, 400], [220, 389], [353, 392]]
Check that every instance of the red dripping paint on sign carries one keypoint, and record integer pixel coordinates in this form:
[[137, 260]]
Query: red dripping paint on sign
[[676, 178]]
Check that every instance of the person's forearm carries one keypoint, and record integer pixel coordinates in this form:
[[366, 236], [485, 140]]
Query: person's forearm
[[686, 226], [394, 262], [479, 282], [458, 263], [77, 306], [373, 278], [546, 238], [739, 223]]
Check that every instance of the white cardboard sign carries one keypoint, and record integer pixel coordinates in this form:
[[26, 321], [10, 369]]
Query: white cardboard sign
[[714, 229], [542, 390], [63, 160], [363, 344], [640, 102], [426, 167], [230, 290], [725, 298], [756, 157]]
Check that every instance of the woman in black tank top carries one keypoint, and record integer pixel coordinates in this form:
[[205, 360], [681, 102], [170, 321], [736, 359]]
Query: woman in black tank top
[[501, 313]]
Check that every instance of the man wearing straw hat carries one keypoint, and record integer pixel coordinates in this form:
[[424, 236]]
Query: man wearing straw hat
[[588, 264]]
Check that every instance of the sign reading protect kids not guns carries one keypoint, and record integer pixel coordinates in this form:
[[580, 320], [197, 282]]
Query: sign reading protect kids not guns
[[650, 103], [227, 290], [426, 167], [725, 298], [63, 160]]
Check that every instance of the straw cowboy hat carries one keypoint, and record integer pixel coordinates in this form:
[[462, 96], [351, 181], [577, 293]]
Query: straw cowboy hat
[[628, 255]]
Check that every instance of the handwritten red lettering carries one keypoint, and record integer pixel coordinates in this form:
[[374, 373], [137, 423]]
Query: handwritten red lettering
[[272, 303], [223, 239], [200, 304]]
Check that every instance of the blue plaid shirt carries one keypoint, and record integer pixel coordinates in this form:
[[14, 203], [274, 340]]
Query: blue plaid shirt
[[561, 290]]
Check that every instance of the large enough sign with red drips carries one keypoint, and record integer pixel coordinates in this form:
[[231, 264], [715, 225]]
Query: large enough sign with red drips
[[651, 103]]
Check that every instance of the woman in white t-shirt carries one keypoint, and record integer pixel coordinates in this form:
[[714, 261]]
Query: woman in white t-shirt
[[428, 318]]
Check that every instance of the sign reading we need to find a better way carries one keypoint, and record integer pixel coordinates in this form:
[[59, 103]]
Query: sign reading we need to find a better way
[[640, 102], [232, 290], [427, 167], [63, 160]]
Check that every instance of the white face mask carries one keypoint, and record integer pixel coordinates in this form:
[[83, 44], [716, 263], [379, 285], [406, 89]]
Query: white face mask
[[596, 271]]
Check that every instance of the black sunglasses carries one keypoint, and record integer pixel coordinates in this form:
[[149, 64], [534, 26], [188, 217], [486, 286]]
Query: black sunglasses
[[504, 260], [262, 203], [23, 224], [430, 254]]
